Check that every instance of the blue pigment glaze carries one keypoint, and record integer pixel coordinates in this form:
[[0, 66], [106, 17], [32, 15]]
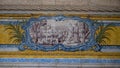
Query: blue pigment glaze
[[60, 60]]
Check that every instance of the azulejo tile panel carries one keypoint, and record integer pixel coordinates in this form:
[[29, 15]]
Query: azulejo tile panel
[[59, 36]]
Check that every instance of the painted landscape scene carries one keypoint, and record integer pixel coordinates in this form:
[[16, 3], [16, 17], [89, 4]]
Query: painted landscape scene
[[51, 32]]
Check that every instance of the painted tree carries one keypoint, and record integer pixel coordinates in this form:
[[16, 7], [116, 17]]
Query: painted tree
[[16, 32], [102, 36]]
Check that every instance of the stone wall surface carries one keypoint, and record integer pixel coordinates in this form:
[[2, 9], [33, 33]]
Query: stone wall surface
[[57, 65], [73, 5], [61, 2]]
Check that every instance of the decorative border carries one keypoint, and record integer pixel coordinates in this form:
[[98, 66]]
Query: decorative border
[[60, 60], [82, 47], [26, 42], [55, 60]]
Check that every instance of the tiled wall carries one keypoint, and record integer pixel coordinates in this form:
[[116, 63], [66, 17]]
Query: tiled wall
[[86, 5]]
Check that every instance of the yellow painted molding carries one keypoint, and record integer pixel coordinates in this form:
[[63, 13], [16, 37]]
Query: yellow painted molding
[[59, 54], [27, 16]]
